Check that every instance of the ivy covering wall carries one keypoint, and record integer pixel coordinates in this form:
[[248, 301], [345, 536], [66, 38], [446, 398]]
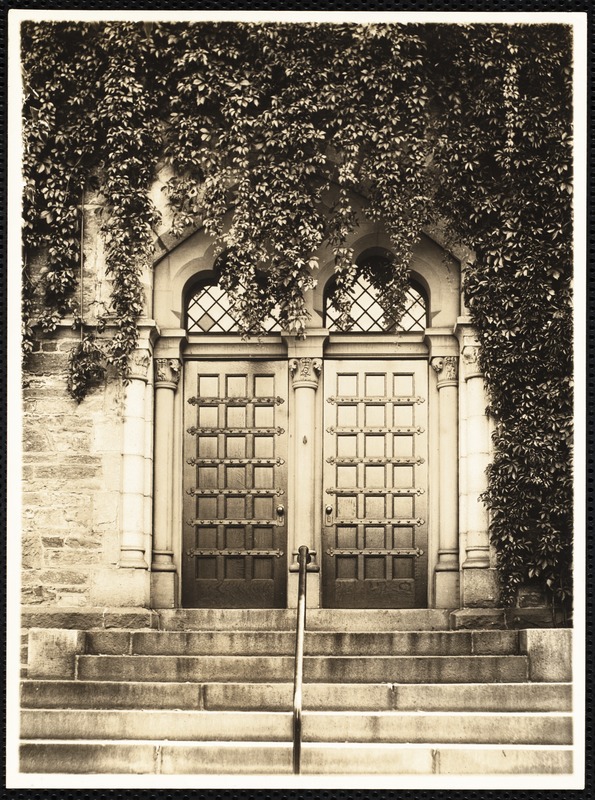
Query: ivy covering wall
[[269, 132]]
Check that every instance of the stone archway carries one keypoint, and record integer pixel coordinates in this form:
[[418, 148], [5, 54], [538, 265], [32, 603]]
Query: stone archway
[[450, 516]]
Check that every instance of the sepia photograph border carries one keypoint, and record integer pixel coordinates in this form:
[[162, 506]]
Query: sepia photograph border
[[157, 783]]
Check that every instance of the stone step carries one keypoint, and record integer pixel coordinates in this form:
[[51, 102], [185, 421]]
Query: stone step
[[325, 619], [317, 726], [278, 696], [190, 643], [441, 727], [263, 758], [342, 669]]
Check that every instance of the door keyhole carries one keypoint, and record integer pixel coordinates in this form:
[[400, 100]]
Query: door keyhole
[[280, 514], [328, 512]]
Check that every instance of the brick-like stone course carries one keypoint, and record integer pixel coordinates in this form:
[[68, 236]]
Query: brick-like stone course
[[71, 478]]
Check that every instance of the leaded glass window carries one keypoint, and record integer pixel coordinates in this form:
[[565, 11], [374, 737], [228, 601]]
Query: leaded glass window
[[209, 311], [366, 312]]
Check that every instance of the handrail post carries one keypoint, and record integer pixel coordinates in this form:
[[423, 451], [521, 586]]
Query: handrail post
[[303, 560]]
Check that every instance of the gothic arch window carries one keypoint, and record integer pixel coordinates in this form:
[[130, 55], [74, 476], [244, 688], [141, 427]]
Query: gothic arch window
[[366, 312], [209, 309]]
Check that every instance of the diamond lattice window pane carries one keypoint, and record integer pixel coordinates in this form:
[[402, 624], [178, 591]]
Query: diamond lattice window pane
[[209, 311], [366, 312]]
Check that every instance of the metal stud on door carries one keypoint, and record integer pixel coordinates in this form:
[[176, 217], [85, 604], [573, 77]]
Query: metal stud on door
[[374, 520]]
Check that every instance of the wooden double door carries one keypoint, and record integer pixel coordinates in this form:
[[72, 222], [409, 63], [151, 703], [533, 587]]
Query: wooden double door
[[373, 541]]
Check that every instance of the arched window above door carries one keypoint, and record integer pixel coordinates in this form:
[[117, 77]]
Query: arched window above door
[[366, 312], [209, 310]]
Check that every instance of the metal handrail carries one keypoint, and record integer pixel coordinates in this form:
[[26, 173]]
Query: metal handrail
[[303, 560]]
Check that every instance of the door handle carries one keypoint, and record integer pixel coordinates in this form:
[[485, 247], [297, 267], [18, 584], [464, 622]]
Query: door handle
[[280, 514], [328, 515]]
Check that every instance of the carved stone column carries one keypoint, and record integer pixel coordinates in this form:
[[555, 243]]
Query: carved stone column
[[446, 574], [477, 550], [164, 575], [305, 374], [479, 582], [132, 544]]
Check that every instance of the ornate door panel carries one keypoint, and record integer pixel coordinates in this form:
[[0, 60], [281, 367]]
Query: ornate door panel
[[375, 478], [235, 484]]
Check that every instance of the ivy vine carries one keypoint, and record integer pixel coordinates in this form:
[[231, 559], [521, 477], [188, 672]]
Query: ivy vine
[[269, 133]]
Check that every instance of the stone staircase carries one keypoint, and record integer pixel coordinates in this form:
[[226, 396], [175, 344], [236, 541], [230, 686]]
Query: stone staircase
[[210, 692]]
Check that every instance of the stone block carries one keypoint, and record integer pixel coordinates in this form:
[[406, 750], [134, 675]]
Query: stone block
[[50, 385], [30, 577], [35, 594], [105, 509], [132, 618], [78, 508], [480, 588], [164, 590], [550, 653], [52, 541], [42, 363], [69, 441], [68, 618], [44, 518], [71, 558], [446, 585], [531, 596], [521, 618], [69, 599], [83, 543], [155, 724], [31, 553], [62, 577], [111, 472], [110, 546], [65, 517], [77, 420], [119, 587], [36, 441], [495, 642], [107, 435], [27, 473], [52, 346], [207, 758], [112, 643], [504, 761], [78, 461], [454, 728], [480, 618], [87, 757], [52, 652], [75, 477]]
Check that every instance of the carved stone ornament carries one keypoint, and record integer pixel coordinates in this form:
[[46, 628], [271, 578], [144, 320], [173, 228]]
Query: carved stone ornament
[[139, 365], [167, 372], [446, 367], [470, 356], [305, 371]]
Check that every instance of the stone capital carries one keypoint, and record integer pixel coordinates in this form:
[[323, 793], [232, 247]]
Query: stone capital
[[446, 367], [305, 371], [470, 356], [167, 373], [139, 362]]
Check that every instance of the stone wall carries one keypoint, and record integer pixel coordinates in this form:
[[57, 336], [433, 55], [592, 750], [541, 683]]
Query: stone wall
[[71, 478]]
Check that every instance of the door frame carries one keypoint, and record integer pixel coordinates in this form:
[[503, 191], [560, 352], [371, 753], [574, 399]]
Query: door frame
[[434, 347]]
